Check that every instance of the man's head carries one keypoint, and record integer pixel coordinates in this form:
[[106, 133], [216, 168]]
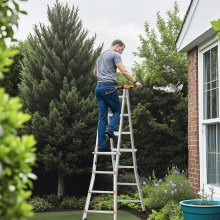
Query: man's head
[[118, 46]]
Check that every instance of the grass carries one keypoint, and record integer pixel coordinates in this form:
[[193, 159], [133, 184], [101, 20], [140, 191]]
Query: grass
[[77, 215]]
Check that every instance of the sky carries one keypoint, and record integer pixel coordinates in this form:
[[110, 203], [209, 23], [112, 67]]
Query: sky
[[109, 20]]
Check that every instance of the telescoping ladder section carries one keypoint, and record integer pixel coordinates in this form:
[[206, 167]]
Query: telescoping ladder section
[[115, 154]]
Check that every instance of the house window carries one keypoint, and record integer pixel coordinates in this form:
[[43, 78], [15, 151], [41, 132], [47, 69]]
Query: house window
[[213, 154], [210, 84], [211, 115]]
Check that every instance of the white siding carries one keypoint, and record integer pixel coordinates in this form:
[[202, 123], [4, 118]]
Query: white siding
[[196, 28]]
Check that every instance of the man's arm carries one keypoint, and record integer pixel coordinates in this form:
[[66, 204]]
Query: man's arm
[[94, 71], [127, 75]]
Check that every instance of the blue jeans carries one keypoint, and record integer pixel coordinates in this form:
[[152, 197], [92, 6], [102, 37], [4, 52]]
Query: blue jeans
[[107, 96]]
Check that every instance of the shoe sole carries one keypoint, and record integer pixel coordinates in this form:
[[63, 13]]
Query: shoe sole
[[110, 135]]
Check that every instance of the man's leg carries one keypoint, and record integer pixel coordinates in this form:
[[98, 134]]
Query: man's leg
[[103, 113], [115, 106]]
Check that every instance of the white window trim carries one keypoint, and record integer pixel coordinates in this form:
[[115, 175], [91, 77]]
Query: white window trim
[[202, 148]]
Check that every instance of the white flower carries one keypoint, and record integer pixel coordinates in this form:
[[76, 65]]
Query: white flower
[[12, 188], [32, 176]]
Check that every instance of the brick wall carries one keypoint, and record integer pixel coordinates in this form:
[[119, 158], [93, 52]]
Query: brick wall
[[193, 120]]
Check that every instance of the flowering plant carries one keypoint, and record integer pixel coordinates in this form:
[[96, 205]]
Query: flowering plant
[[206, 198], [173, 188]]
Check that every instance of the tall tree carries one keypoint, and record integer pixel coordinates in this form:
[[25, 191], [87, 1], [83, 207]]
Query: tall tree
[[160, 119], [56, 87]]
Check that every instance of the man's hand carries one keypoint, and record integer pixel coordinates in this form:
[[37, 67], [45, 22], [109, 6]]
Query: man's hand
[[138, 85]]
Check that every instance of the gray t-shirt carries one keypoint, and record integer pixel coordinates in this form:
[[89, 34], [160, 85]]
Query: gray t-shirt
[[106, 66]]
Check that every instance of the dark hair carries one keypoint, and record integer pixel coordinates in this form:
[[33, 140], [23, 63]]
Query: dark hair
[[119, 42]]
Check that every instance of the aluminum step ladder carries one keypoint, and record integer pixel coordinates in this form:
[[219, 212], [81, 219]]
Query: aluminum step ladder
[[115, 154]]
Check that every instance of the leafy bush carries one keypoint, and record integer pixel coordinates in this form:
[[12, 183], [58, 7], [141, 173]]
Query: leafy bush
[[53, 200], [170, 211], [72, 203], [16, 153], [16, 158], [102, 202], [40, 204], [175, 187]]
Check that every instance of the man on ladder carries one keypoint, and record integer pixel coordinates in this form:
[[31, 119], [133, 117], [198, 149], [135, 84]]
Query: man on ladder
[[106, 94], [107, 97]]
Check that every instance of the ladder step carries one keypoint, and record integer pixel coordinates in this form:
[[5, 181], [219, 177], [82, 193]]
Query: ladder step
[[103, 172], [127, 184], [125, 150], [105, 153], [128, 200], [126, 114], [126, 167], [123, 132], [100, 211], [98, 191]]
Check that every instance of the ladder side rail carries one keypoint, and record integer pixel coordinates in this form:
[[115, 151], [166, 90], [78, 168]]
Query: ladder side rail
[[111, 143], [134, 154], [91, 185], [115, 177]]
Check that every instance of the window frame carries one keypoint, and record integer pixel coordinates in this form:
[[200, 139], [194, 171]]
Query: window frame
[[203, 122]]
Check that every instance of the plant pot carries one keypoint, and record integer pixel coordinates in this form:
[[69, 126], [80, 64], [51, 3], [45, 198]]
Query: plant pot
[[193, 210]]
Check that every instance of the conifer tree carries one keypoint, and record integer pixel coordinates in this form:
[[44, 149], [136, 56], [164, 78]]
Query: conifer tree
[[57, 88], [160, 118]]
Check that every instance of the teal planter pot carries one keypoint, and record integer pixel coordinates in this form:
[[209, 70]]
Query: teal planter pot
[[192, 210]]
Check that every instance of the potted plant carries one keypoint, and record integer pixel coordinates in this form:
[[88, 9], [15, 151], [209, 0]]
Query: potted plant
[[205, 208]]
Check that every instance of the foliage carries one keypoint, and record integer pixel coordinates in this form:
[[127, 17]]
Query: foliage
[[170, 211], [72, 203], [10, 11], [216, 26], [11, 81], [57, 89], [53, 200], [206, 198], [40, 204], [174, 188], [159, 118], [103, 202], [16, 152]]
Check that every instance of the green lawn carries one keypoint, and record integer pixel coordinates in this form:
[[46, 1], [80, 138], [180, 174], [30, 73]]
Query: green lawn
[[77, 215]]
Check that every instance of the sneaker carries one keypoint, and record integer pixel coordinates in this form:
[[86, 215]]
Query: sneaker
[[110, 134]]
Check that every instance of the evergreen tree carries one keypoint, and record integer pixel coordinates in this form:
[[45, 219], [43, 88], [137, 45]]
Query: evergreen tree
[[57, 88], [160, 119]]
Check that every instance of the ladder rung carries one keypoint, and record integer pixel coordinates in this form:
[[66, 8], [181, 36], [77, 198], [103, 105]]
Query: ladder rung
[[126, 114], [123, 132], [98, 191], [125, 167], [100, 211], [127, 184], [128, 200], [125, 150], [103, 172], [106, 153]]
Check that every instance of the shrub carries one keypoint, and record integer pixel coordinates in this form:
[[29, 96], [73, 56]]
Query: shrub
[[175, 187], [16, 152], [40, 204], [53, 200], [170, 211], [72, 203], [102, 202]]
